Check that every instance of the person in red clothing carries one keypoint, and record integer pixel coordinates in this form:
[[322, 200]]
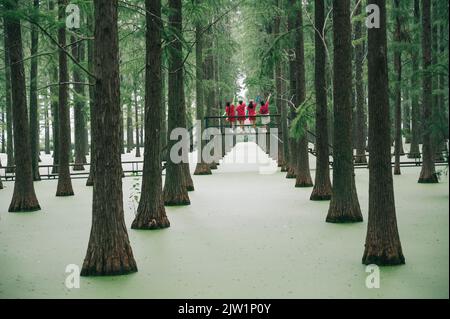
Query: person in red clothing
[[231, 113], [264, 110], [241, 113], [252, 112]]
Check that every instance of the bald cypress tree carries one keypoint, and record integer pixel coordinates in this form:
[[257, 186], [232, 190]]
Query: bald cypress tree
[[151, 213], [398, 88], [382, 241], [109, 251], [90, 53], [359, 83], [322, 187], [428, 172], [79, 106], [303, 176], [129, 124], [201, 168], [292, 145], [281, 107], [175, 191], [8, 107], [24, 197], [416, 128], [136, 114], [54, 104], [34, 114], [344, 205], [64, 182]]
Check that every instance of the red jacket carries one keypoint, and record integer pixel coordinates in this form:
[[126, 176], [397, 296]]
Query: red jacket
[[241, 110], [251, 110], [264, 109], [230, 110]]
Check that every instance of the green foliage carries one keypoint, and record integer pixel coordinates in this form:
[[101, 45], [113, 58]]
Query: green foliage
[[304, 118]]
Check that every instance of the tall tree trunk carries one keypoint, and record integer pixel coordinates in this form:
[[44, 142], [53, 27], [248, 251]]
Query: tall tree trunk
[[47, 127], [141, 131], [284, 117], [9, 115], [64, 182], [130, 139], [24, 197], [414, 151], [279, 88], [175, 191], [90, 45], [344, 205], [163, 133], [382, 241], [360, 96], [202, 168], [406, 118], [136, 111], [109, 251], [303, 176], [406, 111], [438, 111], [398, 90], [3, 137], [34, 113], [292, 160], [428, 173], [151, 213], [54, 106], [208, 70], [80, 122], [443, 88], [122, 131], [55, 118], [322, 188]]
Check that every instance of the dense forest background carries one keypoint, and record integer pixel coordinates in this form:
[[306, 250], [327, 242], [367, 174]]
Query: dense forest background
[[242, 38]]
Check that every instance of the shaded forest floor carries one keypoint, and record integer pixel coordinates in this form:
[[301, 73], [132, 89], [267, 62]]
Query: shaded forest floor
[[246, 235]]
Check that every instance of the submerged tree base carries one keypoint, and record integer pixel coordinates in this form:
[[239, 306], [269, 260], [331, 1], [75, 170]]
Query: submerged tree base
[[342, 214], [177, 198], [290, 173], [108, 264], [202, 169], [389, 256], [343, 219], [90, 180], [150, 222], [177, 202], [433, 179], [23, 205], [303, 184], [64, 193], [321, 193]]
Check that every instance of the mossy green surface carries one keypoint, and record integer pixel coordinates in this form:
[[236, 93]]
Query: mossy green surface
[[245, 235]]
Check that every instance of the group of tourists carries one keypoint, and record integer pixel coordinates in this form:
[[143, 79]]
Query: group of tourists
[[243, 112]]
